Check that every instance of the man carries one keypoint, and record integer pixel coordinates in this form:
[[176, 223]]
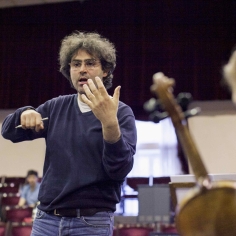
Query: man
[[29, 192], [90, 142]]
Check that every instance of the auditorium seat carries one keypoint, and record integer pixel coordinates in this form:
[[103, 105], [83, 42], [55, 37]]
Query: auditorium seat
[[16, 213], [19, 229], [163, 234], [2, 229], [168, 228], [133, 231], [9, 188], [9, 199], [17, 181]]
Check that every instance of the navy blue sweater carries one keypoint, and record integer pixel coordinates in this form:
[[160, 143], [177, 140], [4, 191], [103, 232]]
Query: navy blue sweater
[[81, 170]]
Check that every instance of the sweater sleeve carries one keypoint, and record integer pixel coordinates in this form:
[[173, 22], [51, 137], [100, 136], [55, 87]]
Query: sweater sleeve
[[18, 135], [118, 157]]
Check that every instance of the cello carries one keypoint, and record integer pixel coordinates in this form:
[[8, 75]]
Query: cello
[[209, 209]]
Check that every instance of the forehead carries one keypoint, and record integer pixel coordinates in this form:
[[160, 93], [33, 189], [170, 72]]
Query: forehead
[[82, 55], [31, 176]]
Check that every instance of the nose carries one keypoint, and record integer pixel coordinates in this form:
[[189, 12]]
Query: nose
[[83, 68]]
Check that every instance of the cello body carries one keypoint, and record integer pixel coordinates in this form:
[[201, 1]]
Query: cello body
[[208, 212]]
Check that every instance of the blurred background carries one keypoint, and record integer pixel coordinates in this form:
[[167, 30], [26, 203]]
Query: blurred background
[[187, 40]]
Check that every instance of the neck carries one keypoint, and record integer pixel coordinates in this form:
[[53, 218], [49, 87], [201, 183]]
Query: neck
[[32, 186], [79, 97]]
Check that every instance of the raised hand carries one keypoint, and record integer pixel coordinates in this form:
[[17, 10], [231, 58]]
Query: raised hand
[[104, 107]]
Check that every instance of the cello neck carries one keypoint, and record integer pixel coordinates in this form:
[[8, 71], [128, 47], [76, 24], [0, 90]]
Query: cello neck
[[191, 152], [163, 88]]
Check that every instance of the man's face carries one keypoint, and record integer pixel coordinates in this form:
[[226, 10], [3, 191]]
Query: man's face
[[83, 66], [32, 180]]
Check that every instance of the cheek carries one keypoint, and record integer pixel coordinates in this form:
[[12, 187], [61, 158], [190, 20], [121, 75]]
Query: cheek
[[73, 77]]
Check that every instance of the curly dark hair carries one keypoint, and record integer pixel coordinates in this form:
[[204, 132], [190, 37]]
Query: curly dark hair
[[95, 45]]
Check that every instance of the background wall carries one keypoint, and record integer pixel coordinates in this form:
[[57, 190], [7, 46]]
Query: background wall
[[214, 133], [17, 158]]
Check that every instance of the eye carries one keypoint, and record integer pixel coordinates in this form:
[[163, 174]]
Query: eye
[[76, 64], [90, 63]]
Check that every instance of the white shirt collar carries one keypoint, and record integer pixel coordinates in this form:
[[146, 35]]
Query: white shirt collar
[[83, 106]]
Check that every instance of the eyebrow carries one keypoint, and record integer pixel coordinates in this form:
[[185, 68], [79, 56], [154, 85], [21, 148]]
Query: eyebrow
[[84, 60]]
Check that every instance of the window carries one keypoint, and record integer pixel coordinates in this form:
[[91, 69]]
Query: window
[[156, 153]]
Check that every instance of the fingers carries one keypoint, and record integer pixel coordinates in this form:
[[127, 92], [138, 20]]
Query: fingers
[[39, 124], [85, 99], [116, 94], [101, 86], [97, 87], [94, 89], [30, 119], [90, 90]]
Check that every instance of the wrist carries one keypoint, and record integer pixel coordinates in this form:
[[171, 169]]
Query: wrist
[[110, 124], [111, 131]]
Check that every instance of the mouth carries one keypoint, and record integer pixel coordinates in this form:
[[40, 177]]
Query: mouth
[[82, 81]]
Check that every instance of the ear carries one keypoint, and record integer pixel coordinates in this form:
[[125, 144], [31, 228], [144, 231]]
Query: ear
[[105, 74]]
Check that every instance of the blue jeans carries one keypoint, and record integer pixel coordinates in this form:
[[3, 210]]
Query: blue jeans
[[100, 224]]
